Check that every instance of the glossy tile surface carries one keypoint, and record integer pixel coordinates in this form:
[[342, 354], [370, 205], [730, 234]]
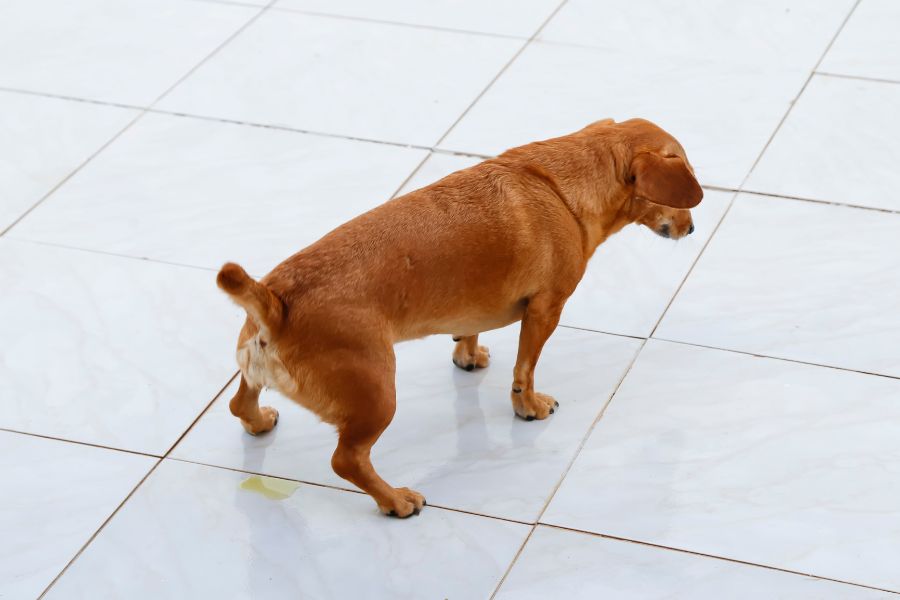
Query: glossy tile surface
[[202, 193], [793, 32], [126, 51], [109, 350], [54, 495], [868, 46], [553, 89], [567, 564], [42, 140], [797, 280], [841, 143], [454, 437], [501, 17], [315, 543], [346, 77], [760, 460]]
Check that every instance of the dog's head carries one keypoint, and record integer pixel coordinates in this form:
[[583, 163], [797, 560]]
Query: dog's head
[[659, 180]]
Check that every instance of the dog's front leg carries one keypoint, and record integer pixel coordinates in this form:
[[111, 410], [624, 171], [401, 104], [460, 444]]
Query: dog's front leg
[[541, 318]]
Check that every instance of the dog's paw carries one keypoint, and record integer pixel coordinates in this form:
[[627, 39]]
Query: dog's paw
[[531, 405], [266, 422], [405, 503], [468, 361]]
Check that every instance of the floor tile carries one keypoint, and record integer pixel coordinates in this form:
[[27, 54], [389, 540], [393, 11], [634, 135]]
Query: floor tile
[[454, 437], [109, 350], [868, 46], [841, 143], [42, 140], [346, 77], [127, 51], [557, 563], [792, 32], [197, 532], [54, 495], [552, 90], [502, 17], [760, 460], [201, 193], [796, 280]]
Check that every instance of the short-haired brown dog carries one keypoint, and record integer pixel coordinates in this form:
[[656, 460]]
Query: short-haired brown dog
[[506, 240]]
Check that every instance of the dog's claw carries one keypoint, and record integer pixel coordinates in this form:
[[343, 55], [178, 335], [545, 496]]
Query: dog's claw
[[470, 367], [529, 418], [552, 411], [555, 404]]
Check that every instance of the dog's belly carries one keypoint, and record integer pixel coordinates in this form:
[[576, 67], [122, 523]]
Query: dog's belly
[[462, 325]]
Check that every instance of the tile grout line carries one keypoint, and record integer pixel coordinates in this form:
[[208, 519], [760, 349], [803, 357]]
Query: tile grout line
[[79, 442], [159, 461], [138, 117], [102, 526], [134, 490], [568, 468], [754, 165], [857, 77], [714, 557]]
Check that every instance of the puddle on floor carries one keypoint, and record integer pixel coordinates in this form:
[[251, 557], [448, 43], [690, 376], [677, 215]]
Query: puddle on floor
[[270, 487]]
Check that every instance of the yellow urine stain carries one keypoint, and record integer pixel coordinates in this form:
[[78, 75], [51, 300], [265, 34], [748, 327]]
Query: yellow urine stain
[[271, 488]]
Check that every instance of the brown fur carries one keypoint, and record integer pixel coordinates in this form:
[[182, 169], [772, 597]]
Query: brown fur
[[506, 240]]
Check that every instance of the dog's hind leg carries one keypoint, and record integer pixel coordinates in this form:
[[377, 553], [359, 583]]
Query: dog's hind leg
[[469, 355], [245, 406], [368, 401]]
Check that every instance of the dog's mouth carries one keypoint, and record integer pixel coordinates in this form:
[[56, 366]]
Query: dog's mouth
[[664, 231]]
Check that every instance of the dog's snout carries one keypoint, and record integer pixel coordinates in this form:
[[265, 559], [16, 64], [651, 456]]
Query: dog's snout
[[691, 229]]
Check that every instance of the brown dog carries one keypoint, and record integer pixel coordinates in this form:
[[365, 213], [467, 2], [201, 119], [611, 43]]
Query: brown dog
[[503, 241]]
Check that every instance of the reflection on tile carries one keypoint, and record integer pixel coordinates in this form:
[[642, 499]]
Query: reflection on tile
[[633, 276], [503, 17], [201, 193], [840, 143], [109, 350], [125, 51], [42, 140], [552, 90], [53, 497], [557, 563], [370, 80], [454, 437], [796, 280], [761, 460], [791, 32], [868, 45], [317, 543]]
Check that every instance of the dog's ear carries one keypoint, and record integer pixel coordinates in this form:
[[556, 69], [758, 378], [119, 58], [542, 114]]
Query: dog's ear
[[666, 181]]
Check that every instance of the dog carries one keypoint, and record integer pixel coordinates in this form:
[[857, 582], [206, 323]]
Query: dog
[[503, 241]]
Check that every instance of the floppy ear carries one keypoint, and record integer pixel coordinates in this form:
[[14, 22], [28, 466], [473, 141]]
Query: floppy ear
[[666, 181]]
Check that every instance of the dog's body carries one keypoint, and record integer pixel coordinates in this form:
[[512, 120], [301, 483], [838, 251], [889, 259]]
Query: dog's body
[[503, 241]]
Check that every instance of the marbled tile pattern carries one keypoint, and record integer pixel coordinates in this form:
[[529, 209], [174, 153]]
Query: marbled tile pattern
[[125, 51], [202, 193], [729, 420], [797, 280], [762, 460], [313, 543], [54, 496], [839, 144], [108, 350], [42, 140], [346, 77]]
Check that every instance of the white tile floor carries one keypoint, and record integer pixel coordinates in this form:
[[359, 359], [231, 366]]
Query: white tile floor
[[730, 418]]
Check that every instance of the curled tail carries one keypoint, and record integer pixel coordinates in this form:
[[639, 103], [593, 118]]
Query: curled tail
[[261, 304]]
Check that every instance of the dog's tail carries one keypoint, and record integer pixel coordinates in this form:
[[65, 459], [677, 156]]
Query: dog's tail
[[260, 302]]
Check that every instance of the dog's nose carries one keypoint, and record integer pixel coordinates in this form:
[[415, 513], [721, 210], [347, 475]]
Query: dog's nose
[[691, 230]]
